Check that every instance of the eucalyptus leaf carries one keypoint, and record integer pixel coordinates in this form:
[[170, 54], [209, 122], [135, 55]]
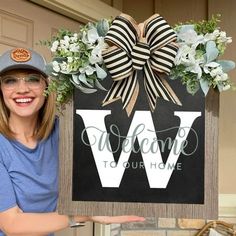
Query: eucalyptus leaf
[[49, 69], [211, 51], [98, 85], [227, 65], [204, 86], [60, 59], [65, 72], [101, 74], [82, 78], [92, 35], [75, 79], [185, 28], [90, 80], [83, 89], [102, 27]]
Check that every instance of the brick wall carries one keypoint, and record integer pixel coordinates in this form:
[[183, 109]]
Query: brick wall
[[162, 227]]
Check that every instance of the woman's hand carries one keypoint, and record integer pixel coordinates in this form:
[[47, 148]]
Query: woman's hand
[[115, 219]]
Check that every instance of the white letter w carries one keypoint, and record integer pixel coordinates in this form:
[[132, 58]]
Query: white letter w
[[111, 175]]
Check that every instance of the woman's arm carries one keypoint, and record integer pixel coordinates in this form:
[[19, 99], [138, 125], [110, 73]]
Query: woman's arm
[[14, 222]]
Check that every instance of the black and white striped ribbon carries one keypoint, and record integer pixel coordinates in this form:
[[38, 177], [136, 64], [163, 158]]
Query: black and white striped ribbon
[[154, 56], [140, 54]]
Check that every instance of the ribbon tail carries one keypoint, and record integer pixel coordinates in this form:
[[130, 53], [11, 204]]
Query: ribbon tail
[[126, 90], [171, 92], [156, 87], [132, 101]]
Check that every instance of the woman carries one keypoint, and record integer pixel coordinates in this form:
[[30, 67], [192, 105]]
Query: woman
[[29, 151]]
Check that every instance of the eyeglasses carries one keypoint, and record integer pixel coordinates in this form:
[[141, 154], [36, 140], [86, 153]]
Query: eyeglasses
[[33, 81]]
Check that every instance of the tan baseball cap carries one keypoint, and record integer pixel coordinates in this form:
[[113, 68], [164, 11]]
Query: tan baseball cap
[[22, 58]]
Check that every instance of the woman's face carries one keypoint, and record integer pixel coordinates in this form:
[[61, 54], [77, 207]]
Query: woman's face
[[23, 92]]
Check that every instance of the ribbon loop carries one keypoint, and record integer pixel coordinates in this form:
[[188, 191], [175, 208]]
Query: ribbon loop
[[162, 59], [149, 46], [118, 63], [158, 32], [122, 33]]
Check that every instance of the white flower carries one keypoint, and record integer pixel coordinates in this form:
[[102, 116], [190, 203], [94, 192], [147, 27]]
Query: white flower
[[74, 47], [67, 38], [185, 55], [64, 44], [84, 38], [223, 38], [73, 39], [189, 36], [55, 66], [216, 71], [212, 36], [64, 68], [102, 44], [54, 46], [222, 77], [196, 69], [197, 57], [88, 70], [210, 66], [226, 87], [92, 35], [229, 40], [96, 54], [69, 59]]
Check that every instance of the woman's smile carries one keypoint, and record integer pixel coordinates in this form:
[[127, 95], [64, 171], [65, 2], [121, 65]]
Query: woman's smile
[[23, 101]]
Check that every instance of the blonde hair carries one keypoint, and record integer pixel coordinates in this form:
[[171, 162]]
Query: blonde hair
[[46, 118]]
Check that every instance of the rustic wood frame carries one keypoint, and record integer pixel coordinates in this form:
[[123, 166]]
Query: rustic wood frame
[[208, 210]]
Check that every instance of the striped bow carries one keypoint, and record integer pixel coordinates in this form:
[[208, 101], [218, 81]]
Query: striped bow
[[148, 46]]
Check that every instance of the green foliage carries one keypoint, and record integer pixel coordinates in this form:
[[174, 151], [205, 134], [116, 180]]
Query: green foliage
[[62, 87], [197, 64], [76, 61], [207, 26]]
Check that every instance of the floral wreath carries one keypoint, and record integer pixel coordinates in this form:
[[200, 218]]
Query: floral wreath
[[190, 53]]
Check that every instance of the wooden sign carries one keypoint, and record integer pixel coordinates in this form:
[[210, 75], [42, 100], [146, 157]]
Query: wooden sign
[[150, 164]]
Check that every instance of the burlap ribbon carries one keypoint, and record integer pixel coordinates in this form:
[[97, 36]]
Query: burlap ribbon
[[149, 46]]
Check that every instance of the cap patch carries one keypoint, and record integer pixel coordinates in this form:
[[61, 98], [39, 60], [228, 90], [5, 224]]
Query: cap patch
[[20, 55]]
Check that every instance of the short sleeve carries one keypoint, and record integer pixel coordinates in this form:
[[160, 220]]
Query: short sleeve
[[7, 194]]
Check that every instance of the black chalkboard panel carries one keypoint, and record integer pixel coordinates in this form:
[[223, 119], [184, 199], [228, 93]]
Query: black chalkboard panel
[[140, 178]]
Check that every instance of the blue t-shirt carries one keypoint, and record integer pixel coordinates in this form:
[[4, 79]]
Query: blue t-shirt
[[29, 176]]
